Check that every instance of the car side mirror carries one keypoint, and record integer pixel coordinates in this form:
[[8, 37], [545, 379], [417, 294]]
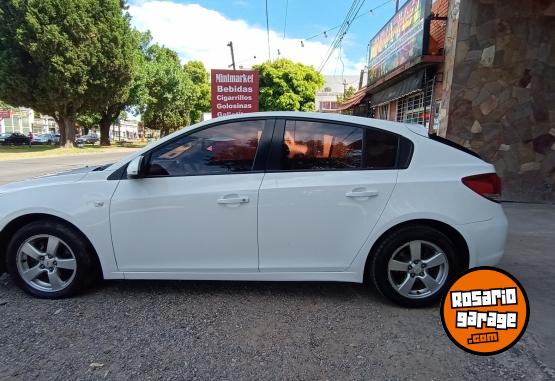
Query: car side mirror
[[134, 167]]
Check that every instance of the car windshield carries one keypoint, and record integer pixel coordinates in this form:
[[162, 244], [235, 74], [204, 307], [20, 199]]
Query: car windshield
[[5, 135]]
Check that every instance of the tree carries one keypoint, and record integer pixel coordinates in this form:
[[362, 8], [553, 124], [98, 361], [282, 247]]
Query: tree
[[88, 120], [349, 92], [114, 98], [62, 57], [170, 91], [288, 86], [201, 79]]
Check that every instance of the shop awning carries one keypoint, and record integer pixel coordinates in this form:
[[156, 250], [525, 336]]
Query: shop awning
[[400, 89], [352, 101]]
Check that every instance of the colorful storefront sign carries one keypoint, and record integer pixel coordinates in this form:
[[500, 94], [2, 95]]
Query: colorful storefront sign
[[399, 41]]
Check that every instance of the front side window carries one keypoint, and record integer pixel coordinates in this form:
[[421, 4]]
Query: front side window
[[309, 145], [226, 148]]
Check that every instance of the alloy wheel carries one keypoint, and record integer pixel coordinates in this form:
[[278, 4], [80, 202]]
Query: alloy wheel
[[46, 263], [418, 269]]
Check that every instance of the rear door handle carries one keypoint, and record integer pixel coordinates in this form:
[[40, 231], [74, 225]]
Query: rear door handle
[[362, 193], [233, 200]]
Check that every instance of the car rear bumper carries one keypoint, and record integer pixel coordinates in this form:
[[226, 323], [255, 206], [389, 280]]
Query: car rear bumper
[[486, 240]]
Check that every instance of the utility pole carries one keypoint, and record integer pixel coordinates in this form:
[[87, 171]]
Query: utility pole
[[396, 6], [230, 44]]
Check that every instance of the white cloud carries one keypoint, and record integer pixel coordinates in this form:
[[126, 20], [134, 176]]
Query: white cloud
[[195, 32]]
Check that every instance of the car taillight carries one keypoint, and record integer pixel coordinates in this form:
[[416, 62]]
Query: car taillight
[[487, 185]]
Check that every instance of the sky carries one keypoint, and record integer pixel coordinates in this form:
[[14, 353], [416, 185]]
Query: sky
[[201, 30]]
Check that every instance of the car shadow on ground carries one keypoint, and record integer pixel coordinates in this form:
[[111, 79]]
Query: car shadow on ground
[[329, 290]]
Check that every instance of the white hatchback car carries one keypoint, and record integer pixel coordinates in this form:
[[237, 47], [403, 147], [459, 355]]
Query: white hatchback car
[[274, 196]]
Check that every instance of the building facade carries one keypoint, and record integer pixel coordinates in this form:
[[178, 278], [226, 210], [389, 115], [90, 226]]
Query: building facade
[[500, 90], [25, 120], [335, 85], [125, 130], [483, 75]]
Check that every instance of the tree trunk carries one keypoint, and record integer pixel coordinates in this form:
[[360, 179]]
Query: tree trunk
[[105, 124], [67, 137]]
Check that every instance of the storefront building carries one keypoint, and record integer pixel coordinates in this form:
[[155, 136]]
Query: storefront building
[[479, 72], [405, 69]]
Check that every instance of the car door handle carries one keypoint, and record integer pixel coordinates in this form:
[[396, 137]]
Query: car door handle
[[361, 193], [233, 200]]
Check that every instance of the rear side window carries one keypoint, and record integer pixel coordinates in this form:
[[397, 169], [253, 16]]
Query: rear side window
[[315, 145], [320, 146]]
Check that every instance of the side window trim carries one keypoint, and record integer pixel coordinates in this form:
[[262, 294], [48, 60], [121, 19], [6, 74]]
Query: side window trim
[[274, 158], [267, 131], [264, 146]]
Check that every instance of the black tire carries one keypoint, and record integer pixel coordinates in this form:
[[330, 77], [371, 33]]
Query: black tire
[[85, 273], [379, 272]]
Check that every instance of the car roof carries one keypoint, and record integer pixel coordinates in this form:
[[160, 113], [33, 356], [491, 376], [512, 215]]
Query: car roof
[[387, 125]]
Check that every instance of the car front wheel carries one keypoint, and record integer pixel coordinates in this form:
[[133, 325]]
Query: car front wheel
[[414, 265], [50, 260]]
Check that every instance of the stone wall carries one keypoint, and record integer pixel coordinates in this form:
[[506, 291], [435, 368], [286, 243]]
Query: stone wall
[[501, 94]]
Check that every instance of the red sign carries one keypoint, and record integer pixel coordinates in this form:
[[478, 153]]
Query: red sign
[[5, 114], [234, 92]]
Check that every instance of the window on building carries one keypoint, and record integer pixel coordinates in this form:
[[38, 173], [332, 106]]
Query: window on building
[[382, 111], [328, 105], [416, 108]]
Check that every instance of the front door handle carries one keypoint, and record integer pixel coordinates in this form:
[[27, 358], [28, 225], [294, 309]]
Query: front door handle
[[233, 200], [361, 193]]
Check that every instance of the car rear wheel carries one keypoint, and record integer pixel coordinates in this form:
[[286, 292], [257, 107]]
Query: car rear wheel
[[413, 265], [49, 260]]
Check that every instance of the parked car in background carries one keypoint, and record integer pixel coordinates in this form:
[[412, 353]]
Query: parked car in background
[[87, 139], [13, 138], [276, 196], [46, 139]]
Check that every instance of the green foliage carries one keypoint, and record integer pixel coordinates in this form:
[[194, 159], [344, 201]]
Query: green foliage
[[62, 57], [88, 120], [349, 92], [171, 92], [201, 79], [288, 86], [128, 96]]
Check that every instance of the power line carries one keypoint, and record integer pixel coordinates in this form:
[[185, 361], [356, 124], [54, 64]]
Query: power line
[[344, 28], [359, 16], [268, 31], [285, 20], [337, 36], [340, 34]]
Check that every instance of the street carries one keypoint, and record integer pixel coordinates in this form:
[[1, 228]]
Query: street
[[256, 330], [14, 170]]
